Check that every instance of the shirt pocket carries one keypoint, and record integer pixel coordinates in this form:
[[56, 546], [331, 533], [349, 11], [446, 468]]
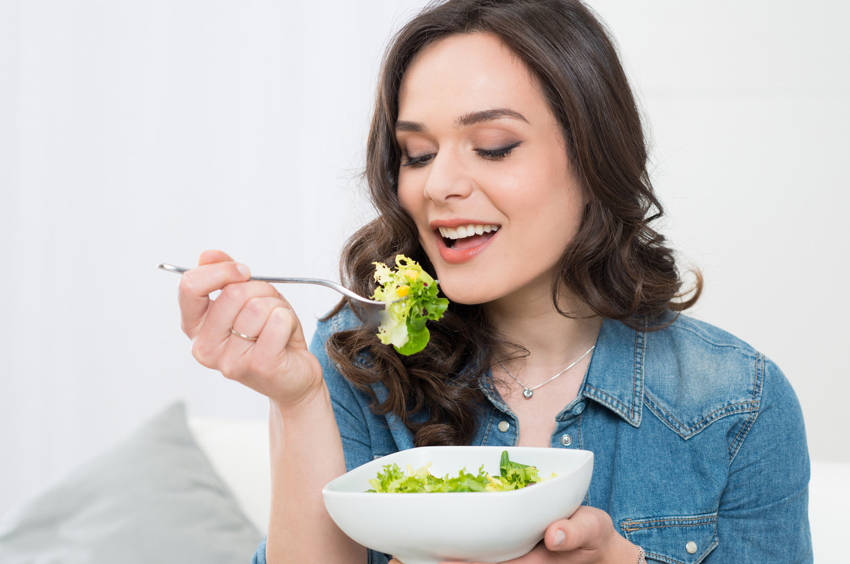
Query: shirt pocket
[[675, 539]]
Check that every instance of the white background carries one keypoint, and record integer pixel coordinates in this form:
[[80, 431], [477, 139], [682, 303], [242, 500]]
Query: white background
[[133, 133]]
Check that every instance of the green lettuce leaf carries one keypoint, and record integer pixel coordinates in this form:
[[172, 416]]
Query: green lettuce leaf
[[512, 476], [411, 297]]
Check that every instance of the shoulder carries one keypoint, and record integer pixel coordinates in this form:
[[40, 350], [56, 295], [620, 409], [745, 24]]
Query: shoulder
[[698, 352], [332, 323], [696, 373]]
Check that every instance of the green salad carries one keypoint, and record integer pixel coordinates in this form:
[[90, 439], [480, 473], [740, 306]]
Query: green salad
[[411, 297], [512, 476]]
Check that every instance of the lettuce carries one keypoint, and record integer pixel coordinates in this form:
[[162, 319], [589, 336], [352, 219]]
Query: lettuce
[[411, 297], [512, 476]]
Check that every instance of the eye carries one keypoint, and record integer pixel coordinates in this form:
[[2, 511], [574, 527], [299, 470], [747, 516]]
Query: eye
[[491, 154], [416, 162], [496, 154]]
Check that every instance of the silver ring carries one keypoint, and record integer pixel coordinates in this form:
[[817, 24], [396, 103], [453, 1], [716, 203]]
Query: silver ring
[[243, 335]]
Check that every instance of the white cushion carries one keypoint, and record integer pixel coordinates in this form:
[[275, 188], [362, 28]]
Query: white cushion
[[239, 451], [829, 498], [152, 497]]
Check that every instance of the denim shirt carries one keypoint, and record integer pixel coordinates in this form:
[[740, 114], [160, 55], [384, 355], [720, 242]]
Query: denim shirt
[[699, 446]]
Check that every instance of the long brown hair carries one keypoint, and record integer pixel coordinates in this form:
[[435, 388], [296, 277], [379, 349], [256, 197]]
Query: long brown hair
[[617, 264]]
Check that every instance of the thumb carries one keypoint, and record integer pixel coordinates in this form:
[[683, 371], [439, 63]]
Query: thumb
[[566, 535]]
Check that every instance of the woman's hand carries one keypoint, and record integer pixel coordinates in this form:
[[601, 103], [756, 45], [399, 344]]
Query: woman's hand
[[275, 361], [586, 537]]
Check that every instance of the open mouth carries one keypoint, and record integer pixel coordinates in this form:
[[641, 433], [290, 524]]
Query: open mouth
[[467, 236]]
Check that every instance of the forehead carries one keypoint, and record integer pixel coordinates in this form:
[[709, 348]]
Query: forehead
[[465, 73]]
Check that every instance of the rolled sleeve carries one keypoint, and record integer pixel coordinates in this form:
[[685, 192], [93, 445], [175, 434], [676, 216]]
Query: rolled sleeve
[[763, 514], [260, 555]]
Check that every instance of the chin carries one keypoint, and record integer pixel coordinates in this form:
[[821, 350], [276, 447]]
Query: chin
[[466, 294]]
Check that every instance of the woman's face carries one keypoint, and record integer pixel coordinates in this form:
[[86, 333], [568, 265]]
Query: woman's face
[[484, 171]]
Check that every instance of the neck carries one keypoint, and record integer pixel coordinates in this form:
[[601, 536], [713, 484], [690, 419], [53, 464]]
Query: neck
[[528, 318]]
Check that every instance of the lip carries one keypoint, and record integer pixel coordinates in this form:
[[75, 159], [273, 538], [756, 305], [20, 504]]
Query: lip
[[458, 256], [437, 223]]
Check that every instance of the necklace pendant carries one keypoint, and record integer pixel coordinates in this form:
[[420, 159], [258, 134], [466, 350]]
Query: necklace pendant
[[526, 393]]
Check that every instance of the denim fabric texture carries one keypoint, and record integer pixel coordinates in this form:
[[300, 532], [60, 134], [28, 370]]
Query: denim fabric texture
[[699, 443]]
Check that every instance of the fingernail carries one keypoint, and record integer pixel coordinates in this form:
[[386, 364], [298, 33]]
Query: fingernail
[[246, 272], [559, 537]]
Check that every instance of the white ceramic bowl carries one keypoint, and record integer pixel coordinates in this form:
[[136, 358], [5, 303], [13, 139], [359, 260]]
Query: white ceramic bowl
[[427, 528]]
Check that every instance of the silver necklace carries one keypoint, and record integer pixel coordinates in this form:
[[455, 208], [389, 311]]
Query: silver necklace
[[528, 391]]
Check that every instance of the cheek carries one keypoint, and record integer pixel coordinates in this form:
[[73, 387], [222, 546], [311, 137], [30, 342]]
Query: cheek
[[407, 198], [547, 204]]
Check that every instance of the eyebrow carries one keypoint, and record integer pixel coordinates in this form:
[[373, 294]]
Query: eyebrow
[[466, 119]]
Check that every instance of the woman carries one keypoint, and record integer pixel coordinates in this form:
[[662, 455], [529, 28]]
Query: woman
[[506, 155]]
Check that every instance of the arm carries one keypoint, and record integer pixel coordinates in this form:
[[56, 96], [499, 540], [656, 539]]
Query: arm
[[763, 514], [251, 335], [334, 420], [306, 453]]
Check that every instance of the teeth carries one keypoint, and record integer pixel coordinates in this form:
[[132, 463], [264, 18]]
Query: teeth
[[467, 230]]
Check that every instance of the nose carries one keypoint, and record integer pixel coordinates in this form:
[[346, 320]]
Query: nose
[[447, 178]]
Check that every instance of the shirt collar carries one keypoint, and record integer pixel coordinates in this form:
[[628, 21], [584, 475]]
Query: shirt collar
[[615, 377]]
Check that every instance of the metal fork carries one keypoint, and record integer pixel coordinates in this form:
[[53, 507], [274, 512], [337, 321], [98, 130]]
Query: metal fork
[[292, 280]]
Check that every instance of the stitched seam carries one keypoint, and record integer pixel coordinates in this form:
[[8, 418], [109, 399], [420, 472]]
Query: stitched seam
[[683, 521], [610, 400], [663, 558], [745, 428], [581, 446], [644, 526], [735, 447], [688, 431], [487, 430], [668, 420], [705, 338], [489, 390], [649, 554], [637, 382], [707, 551], [578, 425], [651, 525]]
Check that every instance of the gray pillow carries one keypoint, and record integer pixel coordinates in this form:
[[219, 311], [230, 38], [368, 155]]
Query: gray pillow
[[154, 498]]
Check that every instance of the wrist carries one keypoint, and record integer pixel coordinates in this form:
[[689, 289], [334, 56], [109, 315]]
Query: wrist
[[297, 392], [308, 405]]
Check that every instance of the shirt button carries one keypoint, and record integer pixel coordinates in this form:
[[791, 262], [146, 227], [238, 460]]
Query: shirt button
[[566, 439], [503, 426], [691, 547], [578, 409]]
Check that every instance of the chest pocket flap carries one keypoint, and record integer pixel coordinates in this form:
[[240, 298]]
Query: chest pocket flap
[[681, 539]]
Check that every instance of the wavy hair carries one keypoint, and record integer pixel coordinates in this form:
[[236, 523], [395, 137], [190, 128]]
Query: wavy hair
[[616, 263]]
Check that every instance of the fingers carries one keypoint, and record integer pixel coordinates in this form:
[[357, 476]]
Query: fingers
[[214, 330], [587, 528], [282, 330], [268, 354], [254, 314], [197, 284], [212, 255]]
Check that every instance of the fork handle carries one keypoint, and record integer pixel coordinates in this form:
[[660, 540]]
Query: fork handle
[[292, 280]]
